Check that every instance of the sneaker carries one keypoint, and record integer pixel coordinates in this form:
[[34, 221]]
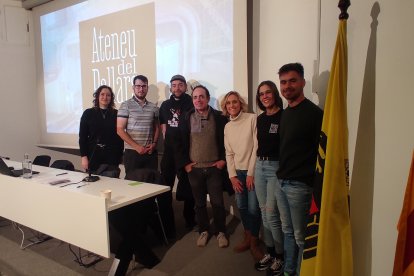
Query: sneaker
[[264, 263], [202, 239], [222, 240], [276, 269]]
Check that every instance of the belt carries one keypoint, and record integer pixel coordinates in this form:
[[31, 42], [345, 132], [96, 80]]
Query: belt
[[266, 158]]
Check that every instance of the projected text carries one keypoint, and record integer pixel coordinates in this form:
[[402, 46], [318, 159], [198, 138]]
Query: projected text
[[116, 47]]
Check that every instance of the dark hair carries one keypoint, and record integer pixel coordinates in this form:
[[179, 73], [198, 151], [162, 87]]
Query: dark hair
[[297, 67], [202, 87], [275, 92], [140, 77], [96, 96]]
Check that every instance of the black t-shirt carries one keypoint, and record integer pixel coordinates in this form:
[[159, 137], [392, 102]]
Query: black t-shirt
[[172, 112], [268, 134], [300, 129]]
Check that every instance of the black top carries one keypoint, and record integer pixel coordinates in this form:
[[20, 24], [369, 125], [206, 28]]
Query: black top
[[300, 128], [171, 113], [98, 126], [268, 134]]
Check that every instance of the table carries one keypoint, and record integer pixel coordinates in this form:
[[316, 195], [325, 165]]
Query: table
[[75, 214]]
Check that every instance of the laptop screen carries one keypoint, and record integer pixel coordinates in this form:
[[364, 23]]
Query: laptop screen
[[4, 169]]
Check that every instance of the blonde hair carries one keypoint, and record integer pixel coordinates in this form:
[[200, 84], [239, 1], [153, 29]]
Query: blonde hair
[[243, 104]]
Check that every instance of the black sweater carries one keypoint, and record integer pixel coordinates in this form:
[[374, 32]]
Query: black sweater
[[98, 126], [300, 128], [268, 135]]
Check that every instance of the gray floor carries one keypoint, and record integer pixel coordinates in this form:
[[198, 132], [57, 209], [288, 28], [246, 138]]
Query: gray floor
[[53, 257]]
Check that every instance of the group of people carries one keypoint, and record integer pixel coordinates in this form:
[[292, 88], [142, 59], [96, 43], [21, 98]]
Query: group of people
[[269, 159]]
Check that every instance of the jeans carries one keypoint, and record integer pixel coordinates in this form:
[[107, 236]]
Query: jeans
[[293, 199], [248, 206], [265, 180], [208, 181]]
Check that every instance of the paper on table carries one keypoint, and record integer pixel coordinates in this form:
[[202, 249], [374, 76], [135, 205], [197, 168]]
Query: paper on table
[[134, 183]]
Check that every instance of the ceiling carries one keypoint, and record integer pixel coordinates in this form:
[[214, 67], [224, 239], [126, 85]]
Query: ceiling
[[29, 4]]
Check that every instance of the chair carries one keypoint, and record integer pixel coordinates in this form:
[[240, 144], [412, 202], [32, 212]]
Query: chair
[[42, 160], [149, 206], [63, 164]]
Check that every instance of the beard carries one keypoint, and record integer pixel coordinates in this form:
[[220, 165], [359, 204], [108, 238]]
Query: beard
[[291, 94], [140, 96]]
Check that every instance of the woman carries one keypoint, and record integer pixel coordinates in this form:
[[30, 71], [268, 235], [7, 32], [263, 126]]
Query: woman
[[98, 141], [241, 146], [267, 163]]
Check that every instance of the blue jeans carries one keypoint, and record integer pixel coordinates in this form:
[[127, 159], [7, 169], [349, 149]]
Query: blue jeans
[[265, 182], [248, 206], [293, 199]]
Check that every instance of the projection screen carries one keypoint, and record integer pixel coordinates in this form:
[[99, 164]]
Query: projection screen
[[81, 45]]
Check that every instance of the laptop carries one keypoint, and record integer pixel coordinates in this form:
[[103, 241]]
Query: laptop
[[6, 170]]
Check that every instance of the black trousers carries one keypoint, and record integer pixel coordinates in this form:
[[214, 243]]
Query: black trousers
[[164, 202], [126, 240], [184, 193], [133, 160]]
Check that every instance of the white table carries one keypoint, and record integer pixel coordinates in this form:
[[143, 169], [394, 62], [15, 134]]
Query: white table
[[78, 216]]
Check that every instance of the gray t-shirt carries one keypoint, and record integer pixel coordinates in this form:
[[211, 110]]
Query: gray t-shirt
[[141, 120]]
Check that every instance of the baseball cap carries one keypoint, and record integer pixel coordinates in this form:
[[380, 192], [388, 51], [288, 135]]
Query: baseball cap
[[178, 77]]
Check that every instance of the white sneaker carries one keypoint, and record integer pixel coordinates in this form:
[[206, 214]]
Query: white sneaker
[[222, 240], [202, 239]]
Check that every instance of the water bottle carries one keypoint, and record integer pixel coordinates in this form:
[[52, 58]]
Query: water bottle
[[27, 167]]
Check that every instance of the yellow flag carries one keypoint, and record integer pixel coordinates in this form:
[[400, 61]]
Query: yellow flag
[[328, 242], [404, 252]]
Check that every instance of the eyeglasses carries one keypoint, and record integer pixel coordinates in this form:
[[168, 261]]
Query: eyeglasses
[[137, 86]]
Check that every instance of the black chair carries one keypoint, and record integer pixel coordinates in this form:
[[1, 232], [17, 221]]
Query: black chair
[[63, 164], [42, 160]]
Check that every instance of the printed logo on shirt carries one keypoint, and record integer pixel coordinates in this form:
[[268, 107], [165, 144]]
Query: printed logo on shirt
[[175, 115], [273, 128]]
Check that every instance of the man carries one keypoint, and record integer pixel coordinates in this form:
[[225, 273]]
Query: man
[[138, 126], [300, 127], [171, 114], [203, 158]]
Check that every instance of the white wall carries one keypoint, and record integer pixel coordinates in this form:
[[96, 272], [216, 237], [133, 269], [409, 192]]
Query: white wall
[[380, 118], [283, 38], [380, 113]]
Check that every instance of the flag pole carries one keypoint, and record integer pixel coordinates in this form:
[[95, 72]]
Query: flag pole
[[343, 5], [328, 241]]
